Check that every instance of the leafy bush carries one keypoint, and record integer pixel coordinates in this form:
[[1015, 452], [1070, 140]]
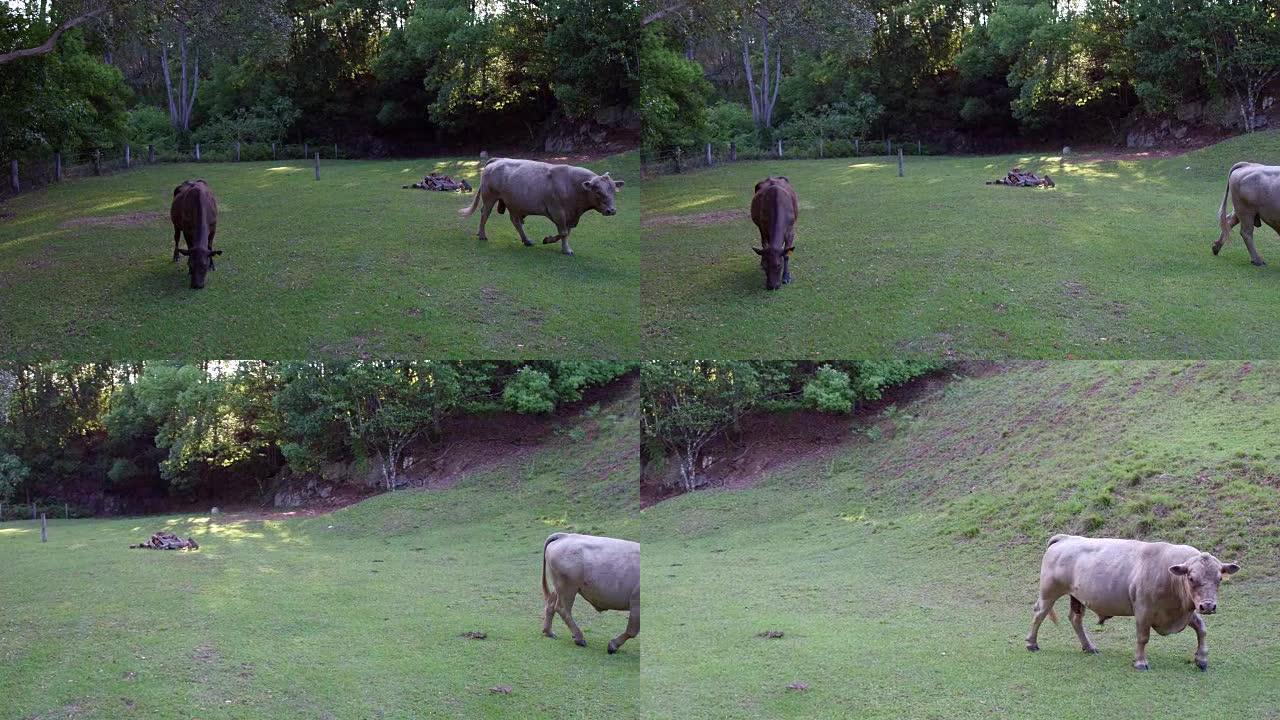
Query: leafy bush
[[529, 391], [830, 390], [150, 125], [263, 123], [729, 121]]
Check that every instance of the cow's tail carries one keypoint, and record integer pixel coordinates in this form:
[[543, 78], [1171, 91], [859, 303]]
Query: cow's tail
[[1222, 209], [546, 591], [1039, 607], [467, 212]]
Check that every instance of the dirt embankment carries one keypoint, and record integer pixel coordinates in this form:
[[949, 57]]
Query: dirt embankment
[[764, 444]]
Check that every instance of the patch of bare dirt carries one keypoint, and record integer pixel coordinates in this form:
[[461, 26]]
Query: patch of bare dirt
[[714, 217], [127, 220], [66, 712]]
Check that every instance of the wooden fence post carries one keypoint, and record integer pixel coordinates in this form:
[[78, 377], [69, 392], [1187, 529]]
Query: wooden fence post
[[709, 162], [855, 146], [44, 528], [733, 151], [66, 511], [97, 162], [819, 146], [899, 162], [57, 167], [888, 147], [237, 151], [151, 153], [305, 150], [317, 165], [919, 148], [128, 156], [1, 512], [273, 151], [13, 176], [335, 151], [197, 152], [33, 511]]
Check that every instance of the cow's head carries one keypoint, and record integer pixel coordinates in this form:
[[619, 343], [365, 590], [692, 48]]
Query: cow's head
[[602, 190], [771, 181], [199, 260], [1202, 575], [772, 261]]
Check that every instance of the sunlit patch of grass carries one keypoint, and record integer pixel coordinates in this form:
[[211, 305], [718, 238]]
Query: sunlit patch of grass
[[1112, 263]]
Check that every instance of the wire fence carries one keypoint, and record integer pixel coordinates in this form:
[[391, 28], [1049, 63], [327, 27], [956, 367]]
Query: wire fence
[[36, 171], [683, 159]]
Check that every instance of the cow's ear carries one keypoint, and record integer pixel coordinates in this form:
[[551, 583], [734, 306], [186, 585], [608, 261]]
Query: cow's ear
[[586, 185], [759, 251], [1229, 568], [1179, 569], [758, 185], [618, 183], [783, 177]]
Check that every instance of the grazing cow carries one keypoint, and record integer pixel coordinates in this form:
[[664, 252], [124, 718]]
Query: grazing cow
[[1162, 586], [1255, 195], [561, 193], [195, 215], [774, 210], [604, 571]]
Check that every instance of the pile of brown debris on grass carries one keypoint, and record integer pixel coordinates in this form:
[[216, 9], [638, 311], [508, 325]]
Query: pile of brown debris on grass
[[441, 183], [1018, 177], [168, 541]]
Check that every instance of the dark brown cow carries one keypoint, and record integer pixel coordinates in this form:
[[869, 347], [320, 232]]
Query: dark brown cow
[[774, 210], [195, 216], [1162, 586]]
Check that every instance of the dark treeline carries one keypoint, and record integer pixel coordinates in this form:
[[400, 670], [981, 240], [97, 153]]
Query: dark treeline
[[687, 405], [155, 435], [377, 76], [960, 73]]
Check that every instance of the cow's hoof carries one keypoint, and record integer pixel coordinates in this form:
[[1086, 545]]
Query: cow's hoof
[[1092, 650], [580, 642], [1259, 263], [568, 252], [786, 280], [527, 243], [1216, 247], [1203, 665], [1141, 666], [550, 635], [550, 239], [1033, 646], [482, 237], [612, 648]]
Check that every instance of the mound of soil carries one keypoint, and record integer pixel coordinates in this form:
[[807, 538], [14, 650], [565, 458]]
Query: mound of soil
[[167, 541]]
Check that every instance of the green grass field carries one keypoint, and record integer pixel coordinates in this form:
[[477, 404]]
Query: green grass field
[[902, 569], [1113, 263], [354, 614], [348, 266]]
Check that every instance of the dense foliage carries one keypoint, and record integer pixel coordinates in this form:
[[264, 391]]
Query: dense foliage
[[376, 75], [971, 72], [221, 431], [685, 405]]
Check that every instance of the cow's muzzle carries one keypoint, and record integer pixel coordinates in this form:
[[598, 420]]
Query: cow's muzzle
[[1208, 608]]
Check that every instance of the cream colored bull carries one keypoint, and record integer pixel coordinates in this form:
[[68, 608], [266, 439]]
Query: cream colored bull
[[604, 571], [1255, 196], [1163, 587]]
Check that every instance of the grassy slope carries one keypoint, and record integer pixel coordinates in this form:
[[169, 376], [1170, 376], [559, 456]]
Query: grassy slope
[[353, 614], [903, 571], [350, 265], [1113, 263]]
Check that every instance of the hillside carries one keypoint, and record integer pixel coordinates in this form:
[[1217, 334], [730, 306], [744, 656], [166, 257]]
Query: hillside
[[901, 564], [356, 613]]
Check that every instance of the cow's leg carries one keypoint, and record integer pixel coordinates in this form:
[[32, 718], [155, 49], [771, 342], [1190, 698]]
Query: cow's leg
[[1246, 232], [1044, 606], [633, 628], [565, 607], [1202, 648], [1077, 622], [564, 242], [1144, 635], [548, 613], [177, 233], [485, 208], [213, 230], [518, 221]]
